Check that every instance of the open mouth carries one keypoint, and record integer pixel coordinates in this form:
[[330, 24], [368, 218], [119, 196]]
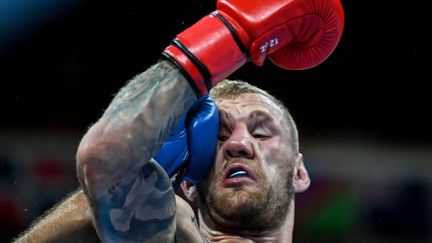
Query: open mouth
[[237, 174]]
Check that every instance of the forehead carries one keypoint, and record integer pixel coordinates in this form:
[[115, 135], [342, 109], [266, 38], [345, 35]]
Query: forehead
[[243, 104]]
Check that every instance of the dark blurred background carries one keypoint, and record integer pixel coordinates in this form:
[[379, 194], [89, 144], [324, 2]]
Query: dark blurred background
[[363, 114]]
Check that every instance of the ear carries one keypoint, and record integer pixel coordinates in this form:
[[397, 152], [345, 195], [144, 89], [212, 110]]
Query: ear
[[301, 180], [189, 190]]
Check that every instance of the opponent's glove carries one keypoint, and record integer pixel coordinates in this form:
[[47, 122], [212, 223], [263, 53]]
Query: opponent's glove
[[295, 34], [188, 154]]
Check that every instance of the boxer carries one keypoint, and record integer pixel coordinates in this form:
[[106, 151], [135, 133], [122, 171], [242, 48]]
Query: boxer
[[248, 192]]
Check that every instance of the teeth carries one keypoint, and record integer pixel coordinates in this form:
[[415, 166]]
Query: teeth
[[238, 174]]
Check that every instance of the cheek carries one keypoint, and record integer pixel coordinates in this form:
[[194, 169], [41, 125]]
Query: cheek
[[278, 158], [280, 176], [273, 151], [217, 169], [205, 186], [219, 157], [219, 146]]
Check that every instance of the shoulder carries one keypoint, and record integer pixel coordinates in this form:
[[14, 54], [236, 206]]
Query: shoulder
[[186, 222]]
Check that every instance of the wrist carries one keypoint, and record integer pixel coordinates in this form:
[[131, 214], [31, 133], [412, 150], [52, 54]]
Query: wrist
[[209, 51]]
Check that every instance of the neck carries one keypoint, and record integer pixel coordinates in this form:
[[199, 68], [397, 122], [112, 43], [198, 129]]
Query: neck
[[282, 234]]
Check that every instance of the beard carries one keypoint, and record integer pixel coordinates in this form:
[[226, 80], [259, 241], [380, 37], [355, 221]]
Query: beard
[[248, 209]]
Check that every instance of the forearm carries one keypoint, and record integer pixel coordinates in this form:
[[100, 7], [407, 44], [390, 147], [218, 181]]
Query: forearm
[[129, 194], [69, 221], [134, 125]]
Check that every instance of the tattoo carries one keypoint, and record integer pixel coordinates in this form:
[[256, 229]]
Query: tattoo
[[147, 109], [136, 201], [140, 88], [139, 210], [194, 221]]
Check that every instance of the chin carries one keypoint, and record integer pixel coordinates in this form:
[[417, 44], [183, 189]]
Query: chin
[[241, 201]]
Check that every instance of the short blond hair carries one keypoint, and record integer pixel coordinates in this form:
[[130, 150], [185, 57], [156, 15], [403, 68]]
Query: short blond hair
[[229, 89]]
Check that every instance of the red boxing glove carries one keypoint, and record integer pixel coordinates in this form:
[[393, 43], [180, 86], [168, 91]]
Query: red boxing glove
[[295, 34]]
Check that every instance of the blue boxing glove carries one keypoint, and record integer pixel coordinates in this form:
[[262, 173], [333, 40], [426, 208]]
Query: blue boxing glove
[[174, 153], [188, 154], [202, 123]]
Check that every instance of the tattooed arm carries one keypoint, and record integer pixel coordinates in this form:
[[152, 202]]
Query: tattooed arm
[[130, 195]]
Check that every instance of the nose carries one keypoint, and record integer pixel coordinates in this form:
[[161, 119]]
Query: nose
[[239, 143]]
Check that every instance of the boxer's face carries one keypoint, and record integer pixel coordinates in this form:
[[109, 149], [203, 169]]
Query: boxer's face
[[253, 168]]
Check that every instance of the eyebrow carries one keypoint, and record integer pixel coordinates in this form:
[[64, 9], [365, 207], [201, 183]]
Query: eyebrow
[[254, 114], [263, 114]]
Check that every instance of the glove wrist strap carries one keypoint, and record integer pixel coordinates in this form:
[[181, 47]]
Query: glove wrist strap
[[208, 51]]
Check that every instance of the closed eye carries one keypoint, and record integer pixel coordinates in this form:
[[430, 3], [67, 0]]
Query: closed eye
[[261, 136], [224, 133], [261, 132], [222, 138]]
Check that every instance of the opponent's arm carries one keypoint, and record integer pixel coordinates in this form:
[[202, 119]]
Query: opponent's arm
[[71, 221], [68, 221], [131, 196]]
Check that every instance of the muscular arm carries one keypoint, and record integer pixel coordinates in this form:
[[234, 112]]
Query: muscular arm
[[69, 221], [130, 196]]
